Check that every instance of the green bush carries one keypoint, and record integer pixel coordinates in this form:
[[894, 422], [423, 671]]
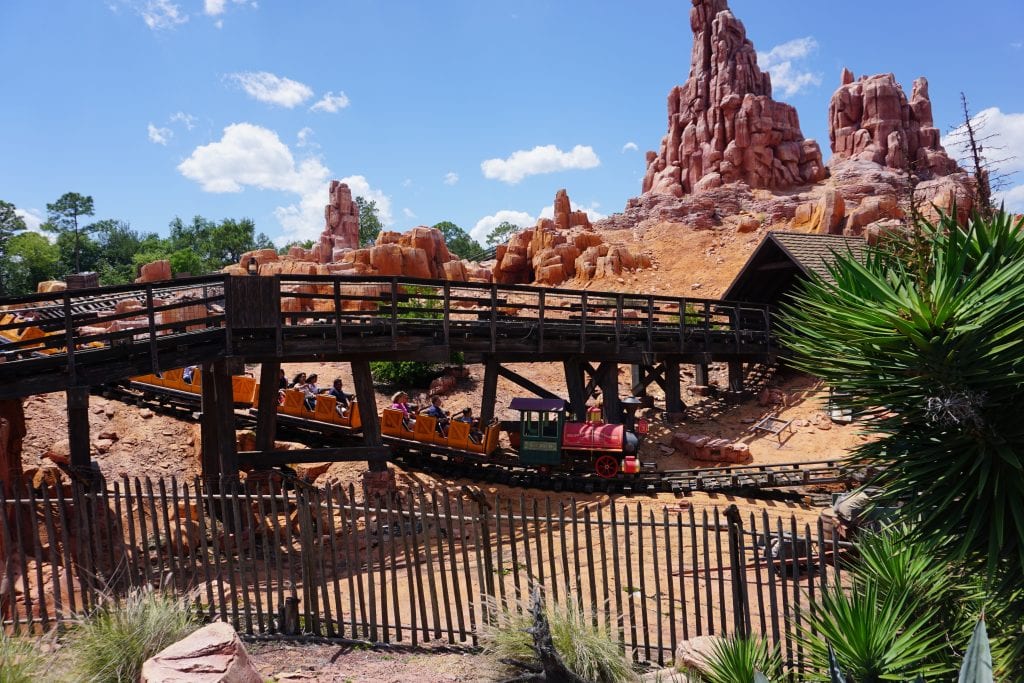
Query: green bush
[[405, 374], [20, 661], [590, 652], [738, 659], [114, 642]]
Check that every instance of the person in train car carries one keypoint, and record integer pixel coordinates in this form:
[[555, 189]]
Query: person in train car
[[188, 373], [312, 389], [400, 401], [340, 396], [282, 380], [466, 416], [298, 381], [436, 411]]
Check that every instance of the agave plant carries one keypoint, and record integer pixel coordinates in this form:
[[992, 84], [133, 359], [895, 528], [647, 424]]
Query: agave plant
[[928, 344], [742, 659]]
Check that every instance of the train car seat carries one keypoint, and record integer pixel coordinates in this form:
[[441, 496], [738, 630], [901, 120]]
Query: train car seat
[[294, 403], [172, 380], [424, 428], [326, 409], [391, 423], [490, 440], [458, 435], [242, 387], [354, 419]]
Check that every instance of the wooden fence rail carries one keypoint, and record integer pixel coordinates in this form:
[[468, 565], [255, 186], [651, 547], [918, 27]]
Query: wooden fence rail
[[419, 567]]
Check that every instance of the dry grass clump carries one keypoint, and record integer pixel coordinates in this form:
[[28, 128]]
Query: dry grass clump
[[21, 661]]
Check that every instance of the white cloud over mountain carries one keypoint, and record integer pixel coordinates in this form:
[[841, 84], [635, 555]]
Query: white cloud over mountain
[[248, 155], [485, 225], [539, 160], [159, 135], [1005, 145], [331, 103], [784, 63]]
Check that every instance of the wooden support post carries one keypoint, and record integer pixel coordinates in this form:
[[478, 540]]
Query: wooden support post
[[574, 383], [224, 409], [673, 390], [637, 385], [735, 376], [700, 374], [521, 381], [266, 416], [208, 435], [367, 398], [78, 430], [610, 392], [490, 392]]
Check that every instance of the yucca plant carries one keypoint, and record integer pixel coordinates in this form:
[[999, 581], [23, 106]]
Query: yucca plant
[[742, 659], [928, 344]]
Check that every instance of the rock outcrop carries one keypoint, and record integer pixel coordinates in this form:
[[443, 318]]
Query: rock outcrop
[[341, 231], [870, 119], [723, 125]]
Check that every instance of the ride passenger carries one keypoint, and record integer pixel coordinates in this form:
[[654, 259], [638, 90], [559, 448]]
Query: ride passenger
[[475, 435], [188, 373], [298, 381], [311, 389], [436, 411], [400, 401], [282, 380], [343, 399]]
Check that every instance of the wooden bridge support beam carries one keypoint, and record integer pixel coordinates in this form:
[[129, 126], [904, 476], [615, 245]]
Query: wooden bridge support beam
[[362, 378], [490, 390], [78, 431], [673, 389], [735, 376], [208, 433], [700, 374], [574, 384], [609, 377], [224, 409], [637, 385], [266, 416], [521, 381]]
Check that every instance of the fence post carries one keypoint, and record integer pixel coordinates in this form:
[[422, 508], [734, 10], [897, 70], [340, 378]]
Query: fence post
[[485, 532], [738, 571]]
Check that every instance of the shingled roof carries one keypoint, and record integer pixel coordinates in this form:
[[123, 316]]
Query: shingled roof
[[782, 258]]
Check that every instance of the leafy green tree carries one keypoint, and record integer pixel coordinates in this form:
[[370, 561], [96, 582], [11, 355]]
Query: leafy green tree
[[186, 261], [458, 240], [62, 219], [10, 225], [31, 259], [120, 248], [305, 244], [501, 233], [84, 248], [231, 238], [927, 342], [369, 221]]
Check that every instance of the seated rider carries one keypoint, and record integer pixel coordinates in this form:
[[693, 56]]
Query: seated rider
[[400, 401], [311, 389], [341, 397], [475, 435], [188, 373], [435, 411]]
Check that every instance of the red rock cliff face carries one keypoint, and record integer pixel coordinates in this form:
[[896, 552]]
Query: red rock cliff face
[[871, 120], [723, 125]]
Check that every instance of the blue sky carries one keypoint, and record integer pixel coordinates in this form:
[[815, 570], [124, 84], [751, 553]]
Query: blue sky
[[231, 108]]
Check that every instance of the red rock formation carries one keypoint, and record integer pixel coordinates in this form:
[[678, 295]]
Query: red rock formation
[[871, 120], [341, 231], [565, 217], [723, 125]]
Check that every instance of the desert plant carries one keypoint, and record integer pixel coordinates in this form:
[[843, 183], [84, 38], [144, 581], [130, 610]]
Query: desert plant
[[742, 659], [114, 641], [589, 651], [875, 638], [21, 661]]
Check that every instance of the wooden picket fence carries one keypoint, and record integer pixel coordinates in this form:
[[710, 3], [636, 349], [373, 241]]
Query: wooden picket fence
[[422, 567]]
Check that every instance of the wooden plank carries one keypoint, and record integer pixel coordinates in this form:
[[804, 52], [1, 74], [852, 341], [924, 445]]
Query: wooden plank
[[420, 593], [407, 556], [19, 543], [590, 566], [394, 522], [641, 569], [337, 625], [494, 318], [366, 396], [548, 523], [500, 556], [237, 537], [605, 602], [37, 553], [757, 577], [574, 384], [783, 572], [332, 454], [669, 584], [55, 572], [541, 302], [681, 552], [266, 416], [490, 390], [251, 536], [514, 552], [289, 547], [70, 563], [143, 537], [467, 575], [617, 589], [261, 512], [720, 569], [797, 609], [9, 582], [278, 540], [609, 376], [445, 593], [78, 431], [583, 323], [371, 590], [224, 408], [385, 621], [209, 434], [772, 589], [151, 318], [521, 381], [338, 336], [633, 644], [673, 388]]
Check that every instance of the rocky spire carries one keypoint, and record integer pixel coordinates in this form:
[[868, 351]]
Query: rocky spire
[[871, 120], [723, 125]]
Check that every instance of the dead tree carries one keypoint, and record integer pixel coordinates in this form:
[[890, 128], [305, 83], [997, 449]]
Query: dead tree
[[551, 668], [975, 146]]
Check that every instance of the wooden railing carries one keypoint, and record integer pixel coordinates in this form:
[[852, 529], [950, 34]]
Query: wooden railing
[[425, 566]]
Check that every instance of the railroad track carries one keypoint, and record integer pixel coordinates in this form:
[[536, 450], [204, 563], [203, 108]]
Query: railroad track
[[768, 481]]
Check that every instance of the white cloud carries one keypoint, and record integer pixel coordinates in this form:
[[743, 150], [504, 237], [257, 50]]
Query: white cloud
[[361, 188], [451, 178], [408, 213], [304, 138], [1013, 198], [186, 120], [783, 63], [540, 159], [33, 218], [331, 103], [592, 213], [214, 7], [161, 14], [485, 225], [630, 146], [272, 89], [159, 135]]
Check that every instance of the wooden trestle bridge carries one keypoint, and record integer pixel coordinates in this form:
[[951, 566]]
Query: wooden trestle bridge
[[73, 340]]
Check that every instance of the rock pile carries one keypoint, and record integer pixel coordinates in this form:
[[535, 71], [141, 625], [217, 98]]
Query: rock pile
[[566, 247], [723, 125], [710, 449], [871, 119]]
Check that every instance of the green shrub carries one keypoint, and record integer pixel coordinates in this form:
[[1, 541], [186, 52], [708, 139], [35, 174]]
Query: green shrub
[[114, 642], [404, 374], [20, 661], [738, 659], [590, 652]]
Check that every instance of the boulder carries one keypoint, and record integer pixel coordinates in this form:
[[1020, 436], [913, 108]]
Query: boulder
[[213, 654], [47, 286], [695, 652], [154, 271]]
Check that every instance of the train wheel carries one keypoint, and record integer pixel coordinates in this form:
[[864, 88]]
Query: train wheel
[[606, 466], [544, 470]]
